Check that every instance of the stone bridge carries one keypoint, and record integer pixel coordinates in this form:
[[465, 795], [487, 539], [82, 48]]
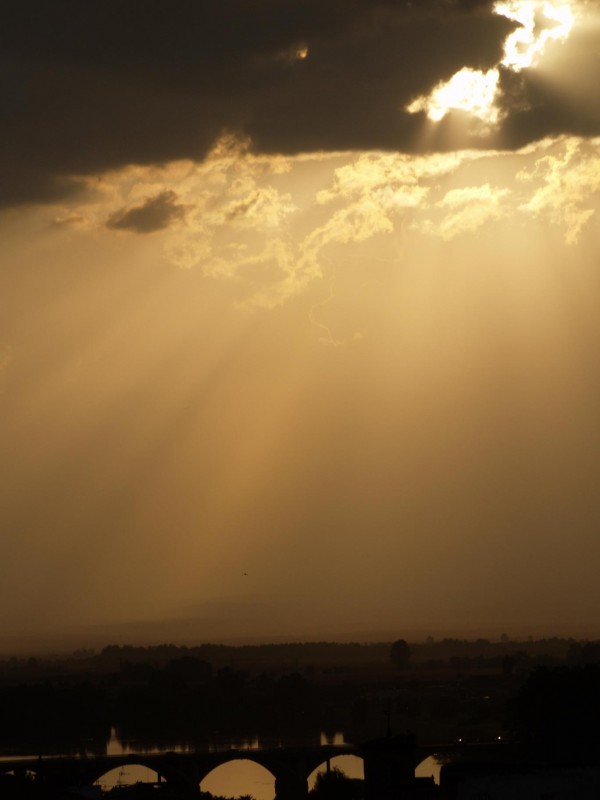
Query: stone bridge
[[389, 765]]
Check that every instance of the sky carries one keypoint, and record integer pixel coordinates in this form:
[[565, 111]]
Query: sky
[[299, 325]]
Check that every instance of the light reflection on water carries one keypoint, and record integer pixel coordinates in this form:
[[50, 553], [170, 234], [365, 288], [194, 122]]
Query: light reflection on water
[[119, 746], [335, 739], [125, 747]]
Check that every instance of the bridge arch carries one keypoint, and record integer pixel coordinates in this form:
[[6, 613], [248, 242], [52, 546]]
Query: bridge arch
[[318, 757], [137, 768], [353, 766], [132, 766], [128, 774], [242, 775], [429, 767]]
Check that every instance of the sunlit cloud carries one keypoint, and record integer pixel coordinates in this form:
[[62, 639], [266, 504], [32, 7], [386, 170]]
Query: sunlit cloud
[[250, 223], [525, 46], [477, 92], [265, 207], [567, 183], [471, 207], [467, 90], [394, 178]]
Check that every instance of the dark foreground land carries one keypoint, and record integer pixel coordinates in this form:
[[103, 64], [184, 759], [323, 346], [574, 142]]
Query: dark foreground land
[[538, 692]]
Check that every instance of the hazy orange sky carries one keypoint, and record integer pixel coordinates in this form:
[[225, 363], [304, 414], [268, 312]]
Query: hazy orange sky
[[299, 319]]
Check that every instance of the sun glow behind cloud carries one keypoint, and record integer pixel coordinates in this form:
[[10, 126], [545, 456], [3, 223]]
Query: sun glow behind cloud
[[524, 47], [475, 91], [467, 90]]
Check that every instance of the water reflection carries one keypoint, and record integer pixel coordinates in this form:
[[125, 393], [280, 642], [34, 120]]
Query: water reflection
[[119, 745], [236, 744], [332, 739], [116, 746]]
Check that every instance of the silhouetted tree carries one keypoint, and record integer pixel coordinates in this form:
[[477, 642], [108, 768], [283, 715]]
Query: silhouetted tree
[[584, 653], [400, 654], [559, 706], [336, 785], [508, 665]]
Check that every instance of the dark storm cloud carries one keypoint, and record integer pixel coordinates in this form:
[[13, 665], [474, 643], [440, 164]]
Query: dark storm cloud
[[155, 214], [86, 86]]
